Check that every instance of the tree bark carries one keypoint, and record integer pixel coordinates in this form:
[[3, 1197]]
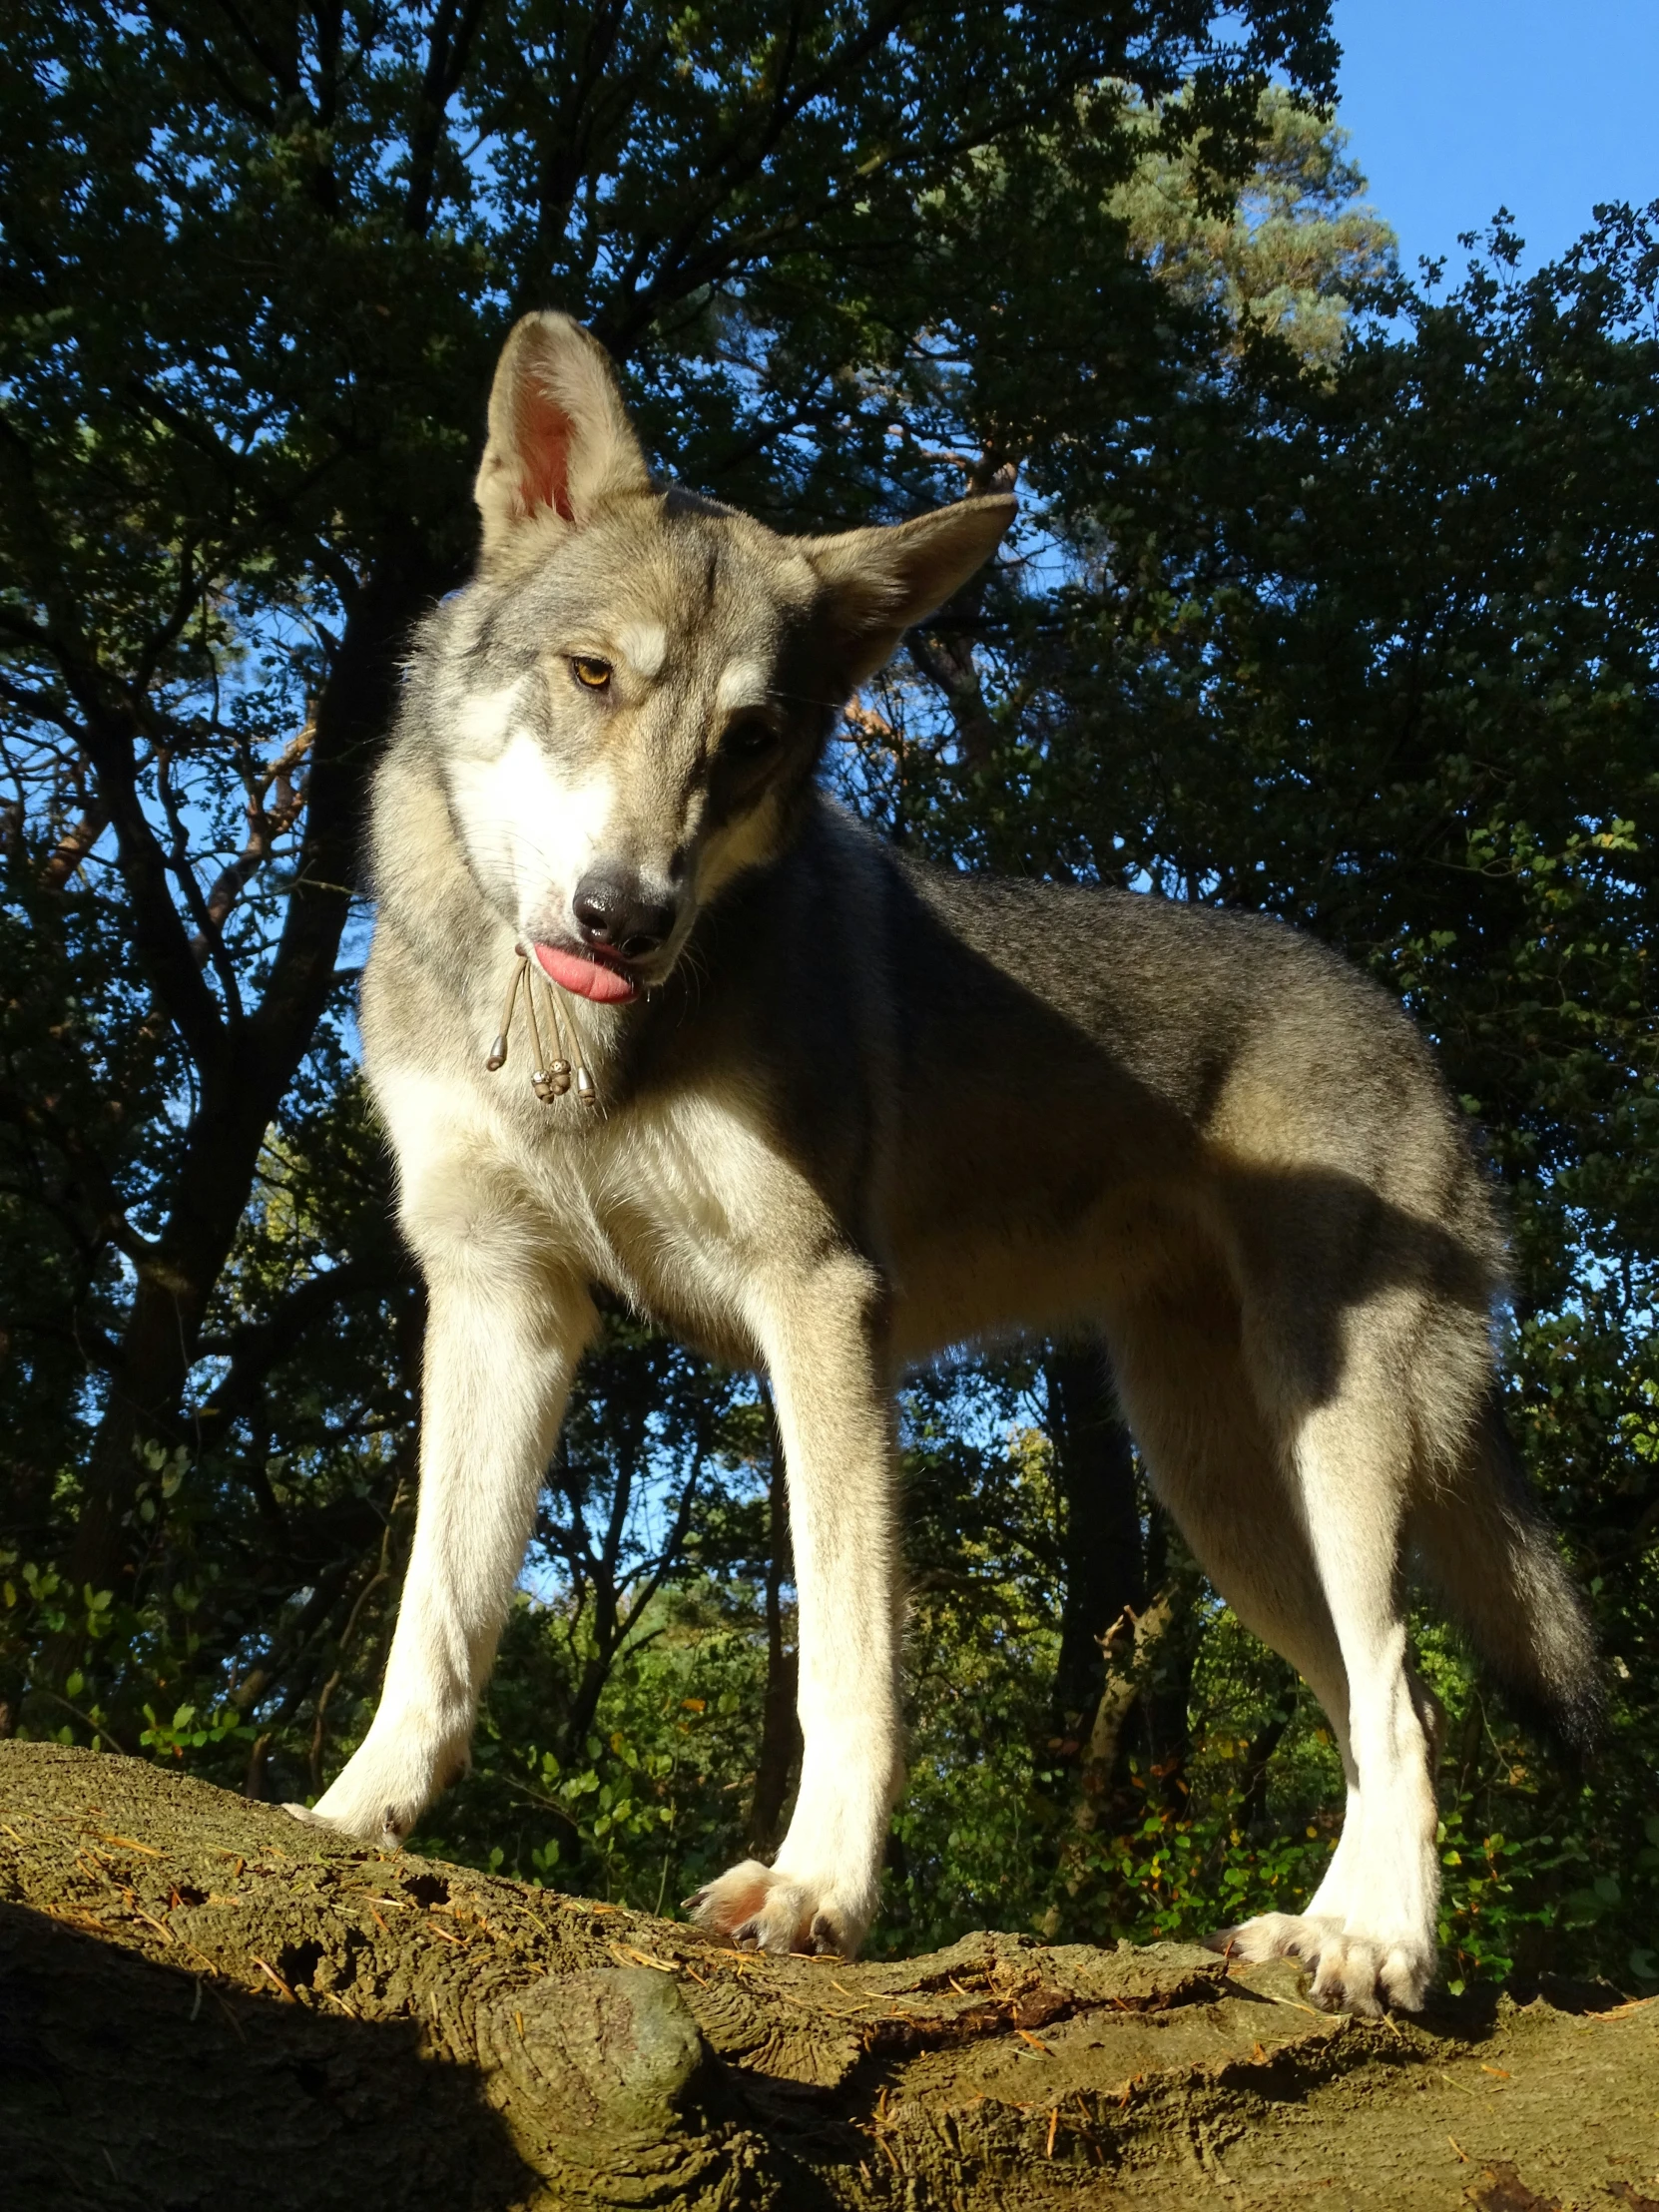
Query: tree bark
[[1105, 1573], [1130, 1647], [204, 2004], [1166, 1692]]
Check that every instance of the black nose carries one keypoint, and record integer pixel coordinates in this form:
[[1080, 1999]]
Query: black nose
[[613, 911]]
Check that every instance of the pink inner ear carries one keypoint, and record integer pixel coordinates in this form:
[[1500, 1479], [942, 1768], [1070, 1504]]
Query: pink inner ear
[[545, 435]]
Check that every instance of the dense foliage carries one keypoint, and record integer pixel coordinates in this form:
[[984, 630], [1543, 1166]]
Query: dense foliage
[[1336, 595]]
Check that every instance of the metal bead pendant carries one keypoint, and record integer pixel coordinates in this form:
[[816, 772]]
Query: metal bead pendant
[[554, 1079]]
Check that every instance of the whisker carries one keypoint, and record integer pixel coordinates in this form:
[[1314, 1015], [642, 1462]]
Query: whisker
[[801, 699]]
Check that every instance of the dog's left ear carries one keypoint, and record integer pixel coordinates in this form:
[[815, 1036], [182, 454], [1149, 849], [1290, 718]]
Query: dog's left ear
[[560, 442], [878, 582]]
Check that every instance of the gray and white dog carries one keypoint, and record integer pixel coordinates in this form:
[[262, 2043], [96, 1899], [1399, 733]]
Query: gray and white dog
[[824, 1112]]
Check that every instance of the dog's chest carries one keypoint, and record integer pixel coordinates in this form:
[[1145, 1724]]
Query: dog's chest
[[684, 1206], [679, 1207]]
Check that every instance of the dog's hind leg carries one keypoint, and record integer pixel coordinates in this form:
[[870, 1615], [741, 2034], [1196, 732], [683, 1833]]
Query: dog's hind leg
[[1303, 1538], [823, 1334], [1213, 1463], [502, 1343], [1354, 1425], [1354, 1466]]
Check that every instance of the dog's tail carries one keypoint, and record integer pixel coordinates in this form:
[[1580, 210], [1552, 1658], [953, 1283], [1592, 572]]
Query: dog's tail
[[1491, 1557]]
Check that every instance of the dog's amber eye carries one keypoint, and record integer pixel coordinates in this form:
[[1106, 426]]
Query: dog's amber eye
[[748, 738], [594, 674]]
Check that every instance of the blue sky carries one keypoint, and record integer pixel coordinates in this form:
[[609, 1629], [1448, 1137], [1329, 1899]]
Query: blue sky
[[1458, 106]]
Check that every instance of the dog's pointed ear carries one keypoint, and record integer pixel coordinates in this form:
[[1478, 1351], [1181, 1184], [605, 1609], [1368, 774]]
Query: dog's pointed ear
[[560, 442], [878, 582]]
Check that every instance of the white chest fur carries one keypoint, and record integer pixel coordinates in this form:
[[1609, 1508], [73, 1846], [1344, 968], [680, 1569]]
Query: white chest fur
[[678, 1207]]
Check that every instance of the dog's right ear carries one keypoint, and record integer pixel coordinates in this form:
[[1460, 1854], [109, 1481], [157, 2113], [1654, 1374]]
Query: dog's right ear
[[560, 443]]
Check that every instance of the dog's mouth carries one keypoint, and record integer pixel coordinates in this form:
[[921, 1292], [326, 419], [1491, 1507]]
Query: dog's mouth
[[608, 980]]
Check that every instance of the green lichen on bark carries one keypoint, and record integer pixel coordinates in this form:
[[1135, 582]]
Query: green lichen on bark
[[203, 2003]]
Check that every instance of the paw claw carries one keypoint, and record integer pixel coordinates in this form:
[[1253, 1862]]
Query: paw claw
[[826, 1936]]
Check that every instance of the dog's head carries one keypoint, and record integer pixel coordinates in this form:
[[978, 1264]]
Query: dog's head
[[640, 682]]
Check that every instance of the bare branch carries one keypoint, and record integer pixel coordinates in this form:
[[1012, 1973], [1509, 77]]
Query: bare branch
[[948, 662], [109, 736], [184, 872], [74, 846], [266, 823], [255, 1350]]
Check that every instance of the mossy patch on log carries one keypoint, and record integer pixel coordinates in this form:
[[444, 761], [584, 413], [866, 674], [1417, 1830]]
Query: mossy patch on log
[[204, 2003]]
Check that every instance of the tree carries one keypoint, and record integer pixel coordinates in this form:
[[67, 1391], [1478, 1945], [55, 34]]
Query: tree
[[1290, 254], [258, 272], [390, 2026]]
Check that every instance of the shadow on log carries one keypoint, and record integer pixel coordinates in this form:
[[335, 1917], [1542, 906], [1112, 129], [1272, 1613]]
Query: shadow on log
[[204, 2006]]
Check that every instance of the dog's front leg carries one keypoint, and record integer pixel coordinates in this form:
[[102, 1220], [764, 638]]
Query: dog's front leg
[[500, 1353], [824, 1337]]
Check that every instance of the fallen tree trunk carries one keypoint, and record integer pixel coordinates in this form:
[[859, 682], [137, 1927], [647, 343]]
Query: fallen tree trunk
[[206, 2006]]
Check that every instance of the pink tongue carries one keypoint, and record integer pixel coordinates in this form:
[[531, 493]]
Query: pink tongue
[[587, 978]]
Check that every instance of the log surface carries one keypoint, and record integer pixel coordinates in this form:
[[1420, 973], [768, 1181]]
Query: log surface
[[204, 2004]]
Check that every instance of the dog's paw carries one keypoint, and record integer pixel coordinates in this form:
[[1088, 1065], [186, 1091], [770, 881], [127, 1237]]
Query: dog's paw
[[374, 1800], [767, 1908], [1351, 1970], [387, 1830], [1274, 1935], [1368, 1974], [380, 1792]]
